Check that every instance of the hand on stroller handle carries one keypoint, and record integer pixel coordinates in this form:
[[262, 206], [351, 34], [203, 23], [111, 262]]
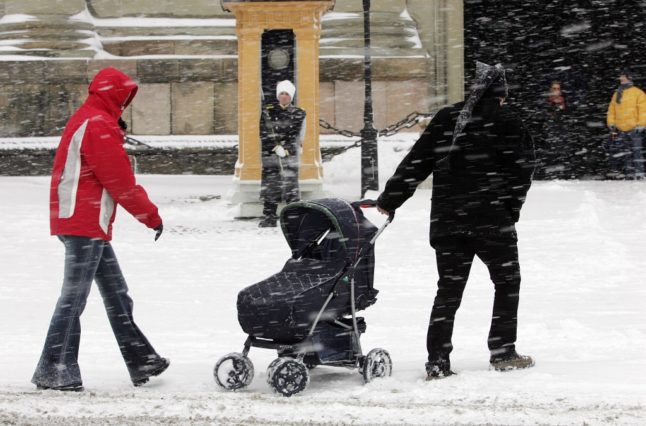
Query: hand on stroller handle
[[365, 204]]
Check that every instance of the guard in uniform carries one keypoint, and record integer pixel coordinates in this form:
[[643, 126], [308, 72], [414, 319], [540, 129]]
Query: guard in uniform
[[282, 130]]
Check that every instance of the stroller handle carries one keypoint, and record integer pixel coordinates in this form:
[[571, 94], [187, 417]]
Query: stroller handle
[[368, 203]]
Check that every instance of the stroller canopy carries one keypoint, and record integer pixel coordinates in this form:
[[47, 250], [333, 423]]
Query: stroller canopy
[[338, 226]]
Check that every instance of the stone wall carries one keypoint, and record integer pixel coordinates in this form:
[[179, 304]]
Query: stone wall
[[195, 97], [175, 96], [192, 89]]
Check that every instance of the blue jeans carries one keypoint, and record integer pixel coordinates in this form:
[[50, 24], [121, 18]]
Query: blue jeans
[[88, 259], [626, 154]]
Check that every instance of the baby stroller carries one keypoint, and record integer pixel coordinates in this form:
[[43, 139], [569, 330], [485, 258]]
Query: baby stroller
[[307, 311]]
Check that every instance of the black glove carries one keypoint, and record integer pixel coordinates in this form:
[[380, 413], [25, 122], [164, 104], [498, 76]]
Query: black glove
[[122, 124], [158, 231]]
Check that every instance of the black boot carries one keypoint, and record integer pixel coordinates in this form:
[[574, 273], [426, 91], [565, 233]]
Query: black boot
[[76, 387], [438, 370], [268, 222], [511, 361], [148, 371]]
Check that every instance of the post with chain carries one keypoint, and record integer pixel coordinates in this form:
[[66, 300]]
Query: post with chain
[[369, 152]]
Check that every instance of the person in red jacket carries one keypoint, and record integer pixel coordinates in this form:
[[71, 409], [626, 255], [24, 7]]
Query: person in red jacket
[[90, 176]]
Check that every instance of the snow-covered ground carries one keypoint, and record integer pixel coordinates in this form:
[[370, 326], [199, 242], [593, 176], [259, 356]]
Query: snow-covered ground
[[583, 297]]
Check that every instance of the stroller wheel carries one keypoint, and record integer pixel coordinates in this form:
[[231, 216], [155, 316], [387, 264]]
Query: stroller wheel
[[271, 368], [376, 364], [287, 376], [233, 371]]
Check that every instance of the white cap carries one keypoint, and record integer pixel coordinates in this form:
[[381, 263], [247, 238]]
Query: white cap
[[287, 87]]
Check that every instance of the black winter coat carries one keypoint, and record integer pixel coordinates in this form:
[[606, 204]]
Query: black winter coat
[[281, 126], [480, 184]]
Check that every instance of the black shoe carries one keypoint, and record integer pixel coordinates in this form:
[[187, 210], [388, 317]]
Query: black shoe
[[438, 370], [151, 370], [511, 361], [76, 387], [268, 222]]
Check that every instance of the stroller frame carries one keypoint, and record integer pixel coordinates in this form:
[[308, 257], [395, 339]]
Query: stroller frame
[[376, 363]]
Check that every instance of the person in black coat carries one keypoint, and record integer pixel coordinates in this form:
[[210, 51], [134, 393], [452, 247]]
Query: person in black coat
[[482, 159], [282, 130]]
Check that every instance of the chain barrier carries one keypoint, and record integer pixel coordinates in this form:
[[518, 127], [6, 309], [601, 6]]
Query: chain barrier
[[347, 133], [409, 121], [129, 140]]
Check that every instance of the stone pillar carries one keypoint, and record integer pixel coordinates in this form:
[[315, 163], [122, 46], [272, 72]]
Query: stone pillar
[[347, 6], [249, 167], [454, 16], [49, 31], [441, 29], [440, 25], [423, 13], [307, 67], [393, 6]]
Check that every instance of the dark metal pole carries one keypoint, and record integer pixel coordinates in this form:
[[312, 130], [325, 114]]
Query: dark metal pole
[[369, 154]]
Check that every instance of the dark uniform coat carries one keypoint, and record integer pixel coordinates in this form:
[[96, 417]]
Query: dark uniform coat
[[280, 127]]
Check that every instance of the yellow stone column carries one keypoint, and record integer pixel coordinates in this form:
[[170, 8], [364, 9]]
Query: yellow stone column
[[454, 15], [249, 167], [308, 89], [252, 19]]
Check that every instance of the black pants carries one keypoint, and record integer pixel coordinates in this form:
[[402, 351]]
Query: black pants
[[455, 255], [279, 182], [87, 260]]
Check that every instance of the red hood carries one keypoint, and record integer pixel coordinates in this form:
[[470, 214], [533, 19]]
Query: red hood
[[115, 89]]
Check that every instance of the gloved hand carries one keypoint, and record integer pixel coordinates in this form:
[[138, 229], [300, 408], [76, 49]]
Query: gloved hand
[[158, 231], [383, 211], [280, 151]]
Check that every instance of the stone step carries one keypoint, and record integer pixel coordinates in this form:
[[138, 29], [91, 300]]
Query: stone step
[[47, 44], [168, 46], [46, 34], [122, 31], [41, 49], [47, 22]]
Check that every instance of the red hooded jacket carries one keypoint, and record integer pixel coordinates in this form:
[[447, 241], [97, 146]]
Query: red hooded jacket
[[91, 169]]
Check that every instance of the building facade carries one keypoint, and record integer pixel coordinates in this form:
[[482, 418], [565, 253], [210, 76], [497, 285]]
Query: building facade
[[184, 56]]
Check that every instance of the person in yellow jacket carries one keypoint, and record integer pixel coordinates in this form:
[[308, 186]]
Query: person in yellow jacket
[[626, 121]]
